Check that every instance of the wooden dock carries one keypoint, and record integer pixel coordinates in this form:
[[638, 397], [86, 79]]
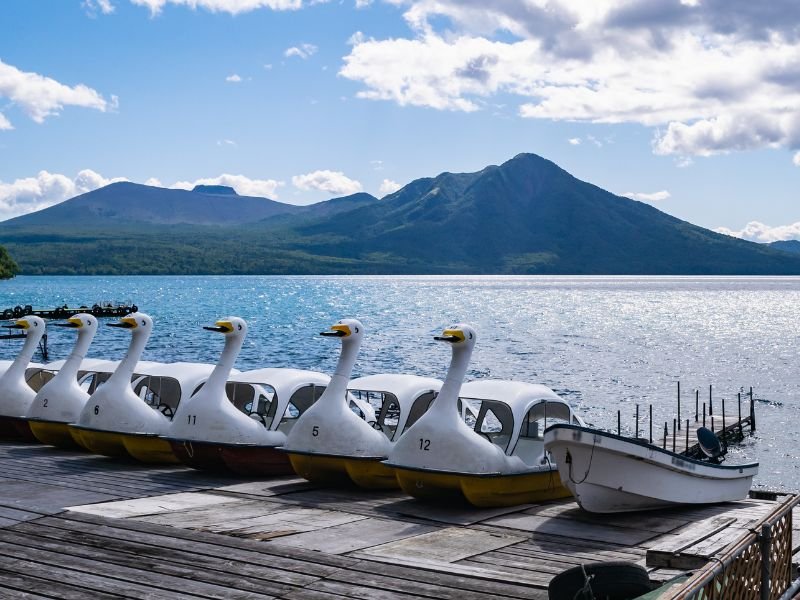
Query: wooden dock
[[74, 525]]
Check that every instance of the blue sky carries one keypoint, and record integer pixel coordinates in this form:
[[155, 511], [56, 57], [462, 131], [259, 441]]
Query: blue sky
[[690, 105]]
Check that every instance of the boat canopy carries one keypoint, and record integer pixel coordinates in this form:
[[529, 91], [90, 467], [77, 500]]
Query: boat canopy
[[165, 385], [513, 411], [398, 399], [277, 395]]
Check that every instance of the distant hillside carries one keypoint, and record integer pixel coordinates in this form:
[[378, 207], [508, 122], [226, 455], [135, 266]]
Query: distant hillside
[[792, 246], [125, 203], [524, 216]]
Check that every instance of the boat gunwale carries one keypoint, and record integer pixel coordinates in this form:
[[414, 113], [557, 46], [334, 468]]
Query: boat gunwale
[[640, 443], [549, 469], [381, 459]]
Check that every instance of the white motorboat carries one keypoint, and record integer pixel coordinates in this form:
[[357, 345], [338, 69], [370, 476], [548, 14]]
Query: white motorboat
[[608, 473]]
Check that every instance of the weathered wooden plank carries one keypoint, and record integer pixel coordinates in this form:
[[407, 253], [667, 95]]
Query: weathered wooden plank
[[19, 585], [93, 583], [448, 513], [155, 505], [451, 578], [214, 517], [529, 578], [669, 548], [43, 497], [153, 566], [272, 487], [572, 529], [290, 522], [442, 546], [234, 561], [78, 564], [430, 587], [352, 536], [362, 589], [644, 521], [180, 538]]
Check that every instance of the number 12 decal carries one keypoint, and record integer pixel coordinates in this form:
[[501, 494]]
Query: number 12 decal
[[424, 444]]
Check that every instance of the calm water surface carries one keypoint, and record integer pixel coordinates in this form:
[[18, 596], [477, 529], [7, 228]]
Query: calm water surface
[[605, 343]]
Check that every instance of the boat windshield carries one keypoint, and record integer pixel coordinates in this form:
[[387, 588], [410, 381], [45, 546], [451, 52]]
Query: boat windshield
[[530, 443], [159, 392], [386, 409], [299, 403], [419, 408], [495, 421]]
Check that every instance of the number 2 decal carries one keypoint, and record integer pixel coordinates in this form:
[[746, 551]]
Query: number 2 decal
[[44, 403]]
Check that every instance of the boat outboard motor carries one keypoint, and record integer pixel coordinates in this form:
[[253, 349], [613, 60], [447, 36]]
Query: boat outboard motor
[[710, 445]]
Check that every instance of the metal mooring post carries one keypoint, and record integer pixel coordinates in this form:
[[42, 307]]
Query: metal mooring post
[[765, 542]]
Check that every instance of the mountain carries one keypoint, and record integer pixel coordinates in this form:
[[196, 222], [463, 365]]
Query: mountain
[[792, 246], [530, 216], [526, 215], [123, 203]]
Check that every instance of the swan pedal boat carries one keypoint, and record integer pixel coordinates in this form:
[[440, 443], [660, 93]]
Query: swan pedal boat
[[115, 415], [162, 386], [331, 444], [54, 408], [16, 395], [512, 415], [608, 473], [500, 461], [235, 422], [390, 403], [273, 397], [61, 386]]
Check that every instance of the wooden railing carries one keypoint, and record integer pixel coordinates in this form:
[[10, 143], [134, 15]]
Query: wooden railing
[[756, 567]]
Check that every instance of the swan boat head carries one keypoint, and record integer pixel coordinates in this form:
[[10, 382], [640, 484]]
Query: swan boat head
[[114, 407], [16, 396], [61, 399], [209, 416], [329, 427], [440, 440]]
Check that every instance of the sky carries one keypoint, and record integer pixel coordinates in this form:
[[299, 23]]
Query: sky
[[692, 106]]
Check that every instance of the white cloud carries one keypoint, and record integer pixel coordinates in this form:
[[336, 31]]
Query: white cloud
[[41, 97], [363, 3], [303, 51], [226, 143], [154, 181], [244, 186], [755, 231], [356, 39], [233, 78], [575, 141], [45, 189], [5, 124], [268, 67], [334, 182], [233, 7], [92, 6], [388, 187], [648, 197], [712, 76], [795, 158]]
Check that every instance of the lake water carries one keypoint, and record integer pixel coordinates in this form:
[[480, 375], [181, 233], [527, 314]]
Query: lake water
[[604, 343]]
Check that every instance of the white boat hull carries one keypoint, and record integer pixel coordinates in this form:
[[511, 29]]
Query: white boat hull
[[607, 473]]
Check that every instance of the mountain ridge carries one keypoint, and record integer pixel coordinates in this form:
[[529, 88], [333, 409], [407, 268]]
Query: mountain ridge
[[524, 216]]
